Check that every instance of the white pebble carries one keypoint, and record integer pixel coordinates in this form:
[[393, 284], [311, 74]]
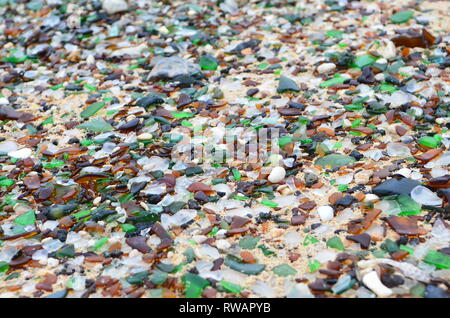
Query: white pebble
[[114, 6], [372, 281], [371, 198], [277, 174], [389, 51], [52, 262], [380, 77], [404, 172], [97, 200], [145, 136], [223, 244], [326, 67], [90, 59], [20, 154], [326, 213]]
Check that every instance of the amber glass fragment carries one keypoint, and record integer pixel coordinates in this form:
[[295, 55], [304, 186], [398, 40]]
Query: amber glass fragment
[[424, 40], [32, 182], [430, 154], [403, 225], [439, 182], [366, 223], [198, 186]]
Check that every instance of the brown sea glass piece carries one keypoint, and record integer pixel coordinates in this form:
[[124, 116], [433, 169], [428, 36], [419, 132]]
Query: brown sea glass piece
[[32, 182], [238, 222], [299, 219], [139, 243], [198, 186], [427, 156], [403, 225], [290, 111], [357, 228], [439, 182], [424, 40]]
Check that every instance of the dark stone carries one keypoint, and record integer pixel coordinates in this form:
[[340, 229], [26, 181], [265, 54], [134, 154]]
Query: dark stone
[[445, 250], [319, 285], [73, 87], [356, 154], [296, 105], [252, 91], [136, 187], [112, 77], [362, 239], [73, 141], [190, 171], [132, 124], [403, 240], [166, 128], [184, 100], [150, 100], [217, 264], [115, 254], [185, 81], [392, 80], [153, 198], [244, 45], [367, 76], [201, 196], [289, 111], [346, 201], [315, 226], [61, 234], [390, 280], [395, 186], [103, 214], [192, 204], [319, 137]]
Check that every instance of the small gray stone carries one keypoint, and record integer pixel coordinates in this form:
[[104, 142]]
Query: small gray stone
[[310, 179]]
